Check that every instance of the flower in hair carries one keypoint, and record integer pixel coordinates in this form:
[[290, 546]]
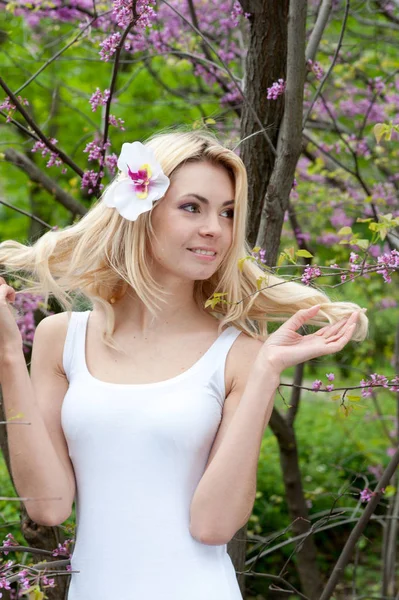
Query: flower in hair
[[140, 182]]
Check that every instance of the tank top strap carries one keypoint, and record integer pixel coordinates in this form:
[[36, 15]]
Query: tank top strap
[[74, 346], [214, 361]]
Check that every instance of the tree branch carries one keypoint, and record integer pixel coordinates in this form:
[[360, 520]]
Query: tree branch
[[327, 74], [318, 29], [64, 157], [35, 174]]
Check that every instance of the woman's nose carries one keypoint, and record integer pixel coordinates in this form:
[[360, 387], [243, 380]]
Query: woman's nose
[[211, 226]]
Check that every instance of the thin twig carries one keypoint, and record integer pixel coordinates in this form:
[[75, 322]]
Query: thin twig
[[64, 157], [327, 74]]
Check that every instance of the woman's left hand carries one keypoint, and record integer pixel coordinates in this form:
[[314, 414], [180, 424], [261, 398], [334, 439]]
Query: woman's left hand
[[285, 347]]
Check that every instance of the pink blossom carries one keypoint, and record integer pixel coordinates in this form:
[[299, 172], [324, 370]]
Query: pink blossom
[[89, 180], [111, 162], [330, 376], [95, 149], [310, 273], [316, 68], [365, 495], [276, 90], [116, 122], [316, 385], [375, 380], [99, 99], [330, 387], [388, 261], [109, 45]]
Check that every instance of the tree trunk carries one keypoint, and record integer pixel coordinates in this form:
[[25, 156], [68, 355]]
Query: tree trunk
[[265, 63]]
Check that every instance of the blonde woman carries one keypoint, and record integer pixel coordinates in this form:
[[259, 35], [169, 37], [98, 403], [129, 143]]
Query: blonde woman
[[148, 411]]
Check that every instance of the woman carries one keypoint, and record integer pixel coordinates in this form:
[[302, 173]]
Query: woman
[[149, 410]]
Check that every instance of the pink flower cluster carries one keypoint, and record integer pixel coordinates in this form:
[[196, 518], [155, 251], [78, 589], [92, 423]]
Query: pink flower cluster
[[276, 90], [54, 158], [109, 46], [260, 255], [389, 260], [236, 12], [26, 305], [8, 106], [22, 575], [9, 541], [377, 85], [99, 98], [367, 494], [89, 180], [310, 273], [63, 549], [380, 381], [316, 385], [111, 162], [316, 68], [95, 149], [116, 122]]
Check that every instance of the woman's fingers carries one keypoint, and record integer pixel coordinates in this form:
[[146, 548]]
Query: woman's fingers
[[337, 328], [346, 332], [331, 329]]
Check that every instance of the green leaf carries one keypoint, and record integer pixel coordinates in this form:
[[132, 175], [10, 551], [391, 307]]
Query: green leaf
[[260, 280], [345, 230], [303, 253], [380, 130], [241, 261], [215, 299]]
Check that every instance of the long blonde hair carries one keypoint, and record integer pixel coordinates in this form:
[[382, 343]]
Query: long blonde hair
[[102, 255]]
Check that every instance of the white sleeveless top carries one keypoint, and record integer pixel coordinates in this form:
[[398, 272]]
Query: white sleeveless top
[[139, 452]]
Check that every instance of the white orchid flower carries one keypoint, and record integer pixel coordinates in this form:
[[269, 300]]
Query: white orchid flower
[[139, 184]]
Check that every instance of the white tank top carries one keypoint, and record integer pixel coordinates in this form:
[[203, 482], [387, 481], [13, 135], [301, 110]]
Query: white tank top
[[139, 452]]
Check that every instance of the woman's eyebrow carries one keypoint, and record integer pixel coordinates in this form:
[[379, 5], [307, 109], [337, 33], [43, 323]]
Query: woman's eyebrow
[[205, 200]]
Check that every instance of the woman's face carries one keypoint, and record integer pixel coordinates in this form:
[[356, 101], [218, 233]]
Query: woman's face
[[196, 212]]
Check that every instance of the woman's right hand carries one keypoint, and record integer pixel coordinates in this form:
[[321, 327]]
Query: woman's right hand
[[10, 336]]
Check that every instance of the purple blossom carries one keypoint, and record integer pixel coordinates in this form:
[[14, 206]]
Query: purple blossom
[[95, 149], [89, 180], [340, 219], [330, 376], [111, 162], [377, 471], [316, 385], [9, 541], [365, 495], [330, 387], [276, 90], [62, 549], [310, 273], [387, 303], [260, 255], [375, 380], [99, 98], [316, 68], [389, 260], [116, 122], [377, 85], [236, 13], [109, 45]]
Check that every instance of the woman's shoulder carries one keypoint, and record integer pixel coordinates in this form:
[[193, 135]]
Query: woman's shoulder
[[241, 357]]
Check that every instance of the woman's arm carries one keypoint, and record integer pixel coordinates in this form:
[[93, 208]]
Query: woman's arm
[[225, 495]]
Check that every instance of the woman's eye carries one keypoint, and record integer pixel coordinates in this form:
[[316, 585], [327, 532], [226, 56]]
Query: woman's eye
[[189, 206], [196, 206]]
